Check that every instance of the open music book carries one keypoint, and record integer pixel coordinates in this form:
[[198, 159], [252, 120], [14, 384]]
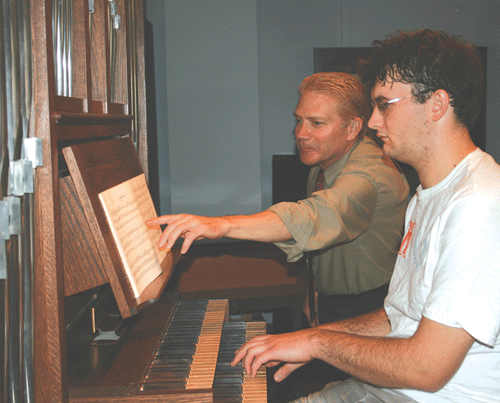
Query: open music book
[[127, 207]]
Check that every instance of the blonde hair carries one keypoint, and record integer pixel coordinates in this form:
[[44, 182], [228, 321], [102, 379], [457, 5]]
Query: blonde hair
[[349, 97]]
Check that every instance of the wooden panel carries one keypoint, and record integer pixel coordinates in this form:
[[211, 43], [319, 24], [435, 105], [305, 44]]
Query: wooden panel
[[78, 126], [80, 252], [99, 51], [118, 57], [237, 270], [139, 111], [115, 108], [179, 396], [92, 159], [70, 104], [80, 51], [48, 308]]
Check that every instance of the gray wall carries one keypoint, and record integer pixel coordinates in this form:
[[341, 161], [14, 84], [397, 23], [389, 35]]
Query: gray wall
[[226, 77]]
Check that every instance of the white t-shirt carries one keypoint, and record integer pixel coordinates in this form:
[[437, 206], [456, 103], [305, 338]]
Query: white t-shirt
[[448, 270]]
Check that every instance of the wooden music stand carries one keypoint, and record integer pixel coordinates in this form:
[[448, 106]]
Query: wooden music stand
[[95, 167]]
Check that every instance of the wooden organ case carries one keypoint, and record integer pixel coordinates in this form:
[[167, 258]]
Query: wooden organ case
[[94, 341]]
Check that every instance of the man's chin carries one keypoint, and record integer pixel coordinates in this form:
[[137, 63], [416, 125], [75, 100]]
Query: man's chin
[[307, 159], [387, 149], [391, 153]]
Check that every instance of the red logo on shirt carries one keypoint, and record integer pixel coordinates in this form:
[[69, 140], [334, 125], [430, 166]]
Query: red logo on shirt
[[406, 241]]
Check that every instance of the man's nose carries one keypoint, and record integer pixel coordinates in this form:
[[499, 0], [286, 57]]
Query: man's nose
[[375, 121], [301, 131]]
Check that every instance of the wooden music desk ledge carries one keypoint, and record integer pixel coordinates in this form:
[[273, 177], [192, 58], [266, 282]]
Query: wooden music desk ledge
[[253, 276]]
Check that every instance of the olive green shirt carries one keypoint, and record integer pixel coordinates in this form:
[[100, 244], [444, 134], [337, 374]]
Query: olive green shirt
[[355, 224]]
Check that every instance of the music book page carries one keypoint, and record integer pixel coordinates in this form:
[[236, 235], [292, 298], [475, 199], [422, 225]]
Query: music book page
[[127, 207]]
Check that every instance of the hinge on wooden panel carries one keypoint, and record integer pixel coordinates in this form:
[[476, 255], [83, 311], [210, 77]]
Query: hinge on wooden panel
[[116, 22], [20, 178], [32, 151], [21, 171], [113, 11]]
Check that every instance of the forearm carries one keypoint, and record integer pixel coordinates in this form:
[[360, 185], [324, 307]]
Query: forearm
[[379, 361], [375, 323], [425, 361], [265, 226]]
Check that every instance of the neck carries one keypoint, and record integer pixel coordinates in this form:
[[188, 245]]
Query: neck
[[450, 151], [347, 148]]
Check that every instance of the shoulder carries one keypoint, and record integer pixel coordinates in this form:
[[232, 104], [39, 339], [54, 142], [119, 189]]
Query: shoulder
[[468, 197], [476, 180], [367, 154], [483, 172], [368, 160]]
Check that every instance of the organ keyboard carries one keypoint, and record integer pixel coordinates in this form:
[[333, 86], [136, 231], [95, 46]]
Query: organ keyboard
[[190, 362]]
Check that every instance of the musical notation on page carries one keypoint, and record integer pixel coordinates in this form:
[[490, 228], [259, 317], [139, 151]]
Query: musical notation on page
[[127, 207]]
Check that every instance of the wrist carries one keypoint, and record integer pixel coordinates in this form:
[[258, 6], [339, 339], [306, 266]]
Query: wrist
[[319, 340], [225, 225]]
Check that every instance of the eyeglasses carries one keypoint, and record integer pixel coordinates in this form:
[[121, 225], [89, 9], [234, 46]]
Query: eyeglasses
[[383, 105]]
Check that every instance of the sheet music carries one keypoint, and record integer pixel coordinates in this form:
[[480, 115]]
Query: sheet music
[[127, 207]]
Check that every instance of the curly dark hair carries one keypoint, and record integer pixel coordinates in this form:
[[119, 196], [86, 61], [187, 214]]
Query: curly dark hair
[[430, 60]]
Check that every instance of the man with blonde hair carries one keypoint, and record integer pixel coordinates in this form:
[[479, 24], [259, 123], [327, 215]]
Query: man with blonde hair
[[351, 224]]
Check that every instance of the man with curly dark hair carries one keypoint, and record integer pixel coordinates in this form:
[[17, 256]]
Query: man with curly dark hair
[[437, 339]]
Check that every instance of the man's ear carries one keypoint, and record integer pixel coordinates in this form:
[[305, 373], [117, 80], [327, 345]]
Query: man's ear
[[440, 103], [354, 128]]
